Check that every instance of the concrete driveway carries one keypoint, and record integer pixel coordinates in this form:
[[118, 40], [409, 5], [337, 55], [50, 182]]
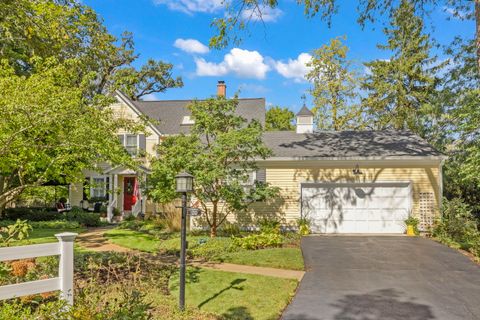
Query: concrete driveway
[[384, 278]]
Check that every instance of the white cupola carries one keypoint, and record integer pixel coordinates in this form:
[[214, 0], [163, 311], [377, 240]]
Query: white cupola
[[305, 120]]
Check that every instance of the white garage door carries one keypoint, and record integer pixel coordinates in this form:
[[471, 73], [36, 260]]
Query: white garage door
[[356, 207]]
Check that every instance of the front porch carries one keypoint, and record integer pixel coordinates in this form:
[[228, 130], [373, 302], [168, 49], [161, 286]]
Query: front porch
[[126, 195]]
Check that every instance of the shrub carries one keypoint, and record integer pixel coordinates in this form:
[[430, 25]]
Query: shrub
[[87, 219], [18, 231], [213, 249], [56, 224], [303, 225], [458, 226], [269, 225], [230, 229], [32, 214], [259, 241]]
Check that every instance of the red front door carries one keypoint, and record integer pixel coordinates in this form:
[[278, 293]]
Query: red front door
[[128, 193]]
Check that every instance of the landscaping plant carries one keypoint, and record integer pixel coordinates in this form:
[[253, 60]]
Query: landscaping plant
[[303, 225], [14, 232], [458, 227], [413, 222]]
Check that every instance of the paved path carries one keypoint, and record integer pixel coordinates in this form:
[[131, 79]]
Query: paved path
[[271, 272], [391, 278], [94, 240]]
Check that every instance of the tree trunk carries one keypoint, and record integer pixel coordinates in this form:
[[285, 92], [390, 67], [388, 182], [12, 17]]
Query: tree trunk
[[477, 34], [213, 227]]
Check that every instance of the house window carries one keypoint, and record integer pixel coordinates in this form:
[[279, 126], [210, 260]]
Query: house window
[[98, 189], [131, 144], [188, 121]]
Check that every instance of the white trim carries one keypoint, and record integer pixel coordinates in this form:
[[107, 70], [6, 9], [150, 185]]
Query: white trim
[[346, 163], [440, 185], [127, 101], [386, 158]]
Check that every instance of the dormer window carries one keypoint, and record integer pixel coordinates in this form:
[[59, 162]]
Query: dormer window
[[187, 121]]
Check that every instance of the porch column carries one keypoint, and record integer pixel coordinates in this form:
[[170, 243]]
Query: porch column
[[112, 202]]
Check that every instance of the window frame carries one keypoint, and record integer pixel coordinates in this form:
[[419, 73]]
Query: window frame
[[137, 141], [102, 187]]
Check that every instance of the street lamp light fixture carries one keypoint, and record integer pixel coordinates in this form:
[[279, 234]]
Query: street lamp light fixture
[[183, 184]]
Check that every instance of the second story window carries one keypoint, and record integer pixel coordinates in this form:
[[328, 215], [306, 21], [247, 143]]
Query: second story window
[[131, 144]]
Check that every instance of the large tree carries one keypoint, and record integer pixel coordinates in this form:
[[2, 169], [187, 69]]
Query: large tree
[[58, 67], [334, 88], [220, 152], [279, 119], [241, 12], [67, 29], [48, 132], [401, 89], [461, 94]]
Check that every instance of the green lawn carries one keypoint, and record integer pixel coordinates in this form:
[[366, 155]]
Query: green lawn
[[236, 295], [285, 258], [45, 235], [133, 240]]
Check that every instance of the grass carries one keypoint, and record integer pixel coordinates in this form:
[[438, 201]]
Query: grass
[[236, 295], [283, 258], [133, 240], [44, 236]]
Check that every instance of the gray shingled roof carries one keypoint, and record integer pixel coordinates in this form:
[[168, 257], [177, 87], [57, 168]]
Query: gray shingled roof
[[348, 144], [305, 112], [169, 113]]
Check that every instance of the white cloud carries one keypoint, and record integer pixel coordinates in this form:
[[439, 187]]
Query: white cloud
[[265, 14], [255, 88], [191, 46], [295, 69], [456, 13], [243, 63], [151, 97], [192, 6]]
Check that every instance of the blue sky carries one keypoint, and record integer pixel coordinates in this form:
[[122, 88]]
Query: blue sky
[[269, 62]]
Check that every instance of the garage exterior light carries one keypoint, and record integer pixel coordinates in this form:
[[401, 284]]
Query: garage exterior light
[[356, 171]]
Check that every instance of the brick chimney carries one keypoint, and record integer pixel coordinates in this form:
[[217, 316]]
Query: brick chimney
[[221, 88]]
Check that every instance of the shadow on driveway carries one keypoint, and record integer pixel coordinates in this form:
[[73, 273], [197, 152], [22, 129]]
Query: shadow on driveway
[[384, 278]]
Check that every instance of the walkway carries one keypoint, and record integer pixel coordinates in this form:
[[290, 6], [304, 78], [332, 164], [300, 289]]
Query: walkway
[[94, 240], [263, 271]]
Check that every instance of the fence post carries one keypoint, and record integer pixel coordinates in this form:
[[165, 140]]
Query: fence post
[[65, 267]]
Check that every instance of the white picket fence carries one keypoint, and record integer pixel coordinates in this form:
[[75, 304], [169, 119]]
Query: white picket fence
[[64, 281]]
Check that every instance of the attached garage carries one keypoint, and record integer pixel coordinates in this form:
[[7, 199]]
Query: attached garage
[[357, 207]]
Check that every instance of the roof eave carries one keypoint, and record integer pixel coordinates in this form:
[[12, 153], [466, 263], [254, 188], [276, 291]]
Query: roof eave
[[120, 95]]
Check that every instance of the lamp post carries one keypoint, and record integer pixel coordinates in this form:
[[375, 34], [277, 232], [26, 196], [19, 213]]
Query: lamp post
[[184, 184]]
